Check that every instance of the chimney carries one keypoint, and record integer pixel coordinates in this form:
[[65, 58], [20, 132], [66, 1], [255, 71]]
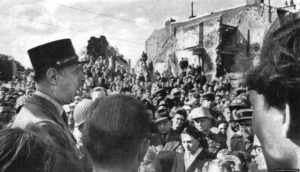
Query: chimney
[[192, 10], [253, 2], [168, 25]]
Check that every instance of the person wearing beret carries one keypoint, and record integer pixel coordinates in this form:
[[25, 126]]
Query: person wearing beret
[[58, 75]]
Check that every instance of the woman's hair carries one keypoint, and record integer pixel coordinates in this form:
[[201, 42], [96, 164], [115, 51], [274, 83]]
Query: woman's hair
[[222, 122], [23, 150], [192, 131]]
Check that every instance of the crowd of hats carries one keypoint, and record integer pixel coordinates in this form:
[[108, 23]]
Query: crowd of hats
[[160, 88], [165, 96]]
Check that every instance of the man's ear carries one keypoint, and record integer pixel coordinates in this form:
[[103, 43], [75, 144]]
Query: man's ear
[[52, 75], [286, 122]]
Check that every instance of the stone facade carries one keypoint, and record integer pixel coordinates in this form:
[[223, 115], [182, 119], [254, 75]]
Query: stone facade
[[232, 37]]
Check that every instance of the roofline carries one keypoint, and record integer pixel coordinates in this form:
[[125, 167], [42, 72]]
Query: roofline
[[209, 14]]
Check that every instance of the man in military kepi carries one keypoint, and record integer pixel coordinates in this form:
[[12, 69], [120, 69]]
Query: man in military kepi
[[58, 75]]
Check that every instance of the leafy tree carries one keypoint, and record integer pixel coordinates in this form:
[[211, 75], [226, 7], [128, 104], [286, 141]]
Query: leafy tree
[[6, 67], [97, 47], [111, 51]]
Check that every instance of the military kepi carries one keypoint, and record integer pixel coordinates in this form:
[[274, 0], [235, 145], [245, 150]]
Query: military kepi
[[53, 54]]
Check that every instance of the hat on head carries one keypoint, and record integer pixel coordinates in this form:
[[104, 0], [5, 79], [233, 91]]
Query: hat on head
[[195, 103], [200, 112], [196, 96], [161, 118], [159, 93], [244, 114], [240, 102], [209, 96], [175, 90], [56, 53], [4, 108], [80, 111], [162, 103], [161, 114]]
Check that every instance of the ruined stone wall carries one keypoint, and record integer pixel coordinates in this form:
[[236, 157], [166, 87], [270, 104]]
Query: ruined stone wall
[[256, 20], [253, 18], [188, 36], [211, 39], [154, 43]]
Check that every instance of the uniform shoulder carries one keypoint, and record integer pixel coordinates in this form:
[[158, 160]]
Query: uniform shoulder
[[25, 117]]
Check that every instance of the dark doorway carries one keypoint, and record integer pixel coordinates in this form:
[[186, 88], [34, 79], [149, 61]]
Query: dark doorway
[[227, 61]]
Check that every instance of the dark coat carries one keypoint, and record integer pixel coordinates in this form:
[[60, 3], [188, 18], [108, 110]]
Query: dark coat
[[40, 111], [196, 166], [238, 143]]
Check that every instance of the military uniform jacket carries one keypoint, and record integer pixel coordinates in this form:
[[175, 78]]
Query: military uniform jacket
[[40, 111]]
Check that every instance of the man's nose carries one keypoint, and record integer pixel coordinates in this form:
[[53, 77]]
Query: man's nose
[[253, 152]]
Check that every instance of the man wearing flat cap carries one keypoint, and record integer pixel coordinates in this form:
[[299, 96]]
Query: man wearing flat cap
[[58, 75]]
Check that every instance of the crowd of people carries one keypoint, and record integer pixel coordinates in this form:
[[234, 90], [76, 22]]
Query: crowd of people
[[72, 115]]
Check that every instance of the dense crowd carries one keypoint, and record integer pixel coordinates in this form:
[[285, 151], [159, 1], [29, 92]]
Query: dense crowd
[[213, 110], [80, 116]]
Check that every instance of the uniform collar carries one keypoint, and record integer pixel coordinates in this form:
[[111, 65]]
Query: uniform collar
[[50, 99]]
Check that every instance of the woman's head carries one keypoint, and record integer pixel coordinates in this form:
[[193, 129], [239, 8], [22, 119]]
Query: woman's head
[[192, 139]]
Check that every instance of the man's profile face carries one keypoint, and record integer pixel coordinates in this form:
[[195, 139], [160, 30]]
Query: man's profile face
[[203, 124], [78, 134], [223, 128], [177, 121], [227, 114], [257, 155], [190, 96], [246, 128], [164, 126], [207, 103], [70, 79], [177, 95], [267, 127]]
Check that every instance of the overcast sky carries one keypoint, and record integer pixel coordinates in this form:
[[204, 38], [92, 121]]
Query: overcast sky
[[125, 23]]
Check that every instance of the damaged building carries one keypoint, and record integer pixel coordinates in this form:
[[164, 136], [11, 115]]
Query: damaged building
[[226, 41]]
